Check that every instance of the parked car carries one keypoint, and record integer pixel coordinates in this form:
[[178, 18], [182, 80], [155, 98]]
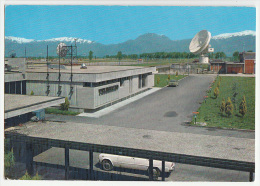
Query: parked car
[[108, 161], [173, 83]]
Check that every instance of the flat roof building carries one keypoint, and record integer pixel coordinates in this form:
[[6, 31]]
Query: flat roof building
[[92, 87]]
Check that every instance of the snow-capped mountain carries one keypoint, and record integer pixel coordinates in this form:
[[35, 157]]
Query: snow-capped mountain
[[146, 43], [69, 39], [60, 39], [228, 35], [19, 39]]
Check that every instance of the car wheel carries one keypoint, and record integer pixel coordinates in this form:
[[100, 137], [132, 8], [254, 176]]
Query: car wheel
[[156, 173], [107, 165]]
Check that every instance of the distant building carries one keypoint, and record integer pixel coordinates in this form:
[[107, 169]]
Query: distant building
[[248, 58], [246, 64]]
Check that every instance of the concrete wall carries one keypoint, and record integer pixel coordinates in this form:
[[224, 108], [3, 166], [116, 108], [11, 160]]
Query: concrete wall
[[88, 97], [40, 87], [100, 100], [20, 63], [9, 77]]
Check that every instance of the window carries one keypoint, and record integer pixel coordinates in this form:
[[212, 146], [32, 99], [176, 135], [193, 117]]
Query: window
[[87, 84]]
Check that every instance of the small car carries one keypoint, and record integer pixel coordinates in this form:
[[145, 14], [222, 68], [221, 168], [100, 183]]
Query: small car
[[173, 83], [108, 161]]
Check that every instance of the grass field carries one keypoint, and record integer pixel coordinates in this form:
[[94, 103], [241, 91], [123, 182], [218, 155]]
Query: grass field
[[164, 79], [209, 112]]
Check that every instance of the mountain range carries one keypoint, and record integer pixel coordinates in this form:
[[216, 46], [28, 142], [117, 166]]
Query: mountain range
[[146, 43]]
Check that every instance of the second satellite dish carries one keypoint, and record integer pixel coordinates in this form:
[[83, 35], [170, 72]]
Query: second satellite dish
[[200, 45], [62, 50]]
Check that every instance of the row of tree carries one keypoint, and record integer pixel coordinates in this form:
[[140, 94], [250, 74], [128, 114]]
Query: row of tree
[[156, 55], [229, 106]]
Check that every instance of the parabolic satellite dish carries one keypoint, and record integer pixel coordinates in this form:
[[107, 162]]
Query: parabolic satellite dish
[[62, 50], [200, 45]]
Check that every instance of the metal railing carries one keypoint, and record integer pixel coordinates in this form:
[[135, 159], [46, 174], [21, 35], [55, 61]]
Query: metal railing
[[36, 145]]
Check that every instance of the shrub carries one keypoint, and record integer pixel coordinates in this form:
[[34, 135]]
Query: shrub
[[58, 111], [9, 161], [243, 107], [169, 77], [176, 73], [218, 84], [66, 105], [32, 93], [216, 92], [28, 177], [229, 107], [158, 80], [223, 105]]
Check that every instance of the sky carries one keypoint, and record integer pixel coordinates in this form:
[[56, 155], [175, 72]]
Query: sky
[[116, 24]]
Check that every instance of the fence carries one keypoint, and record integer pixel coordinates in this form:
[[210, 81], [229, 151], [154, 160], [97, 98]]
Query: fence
[[30, 147]]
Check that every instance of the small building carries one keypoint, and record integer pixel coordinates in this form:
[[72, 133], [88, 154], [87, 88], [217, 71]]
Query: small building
[[218, 66], [245, 65], [234, 67], [248, 58]]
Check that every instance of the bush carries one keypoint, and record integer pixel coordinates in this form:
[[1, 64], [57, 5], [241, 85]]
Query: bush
[[28, 177], [66, 105], [229, 107], [216, 92], [158, 80], [176, 73], [58, 111], [218, 85], [169, 77], [32, 93], [243, 107], [223, 105]]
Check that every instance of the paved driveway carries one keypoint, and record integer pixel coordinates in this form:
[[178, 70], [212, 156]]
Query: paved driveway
[[165, 110]]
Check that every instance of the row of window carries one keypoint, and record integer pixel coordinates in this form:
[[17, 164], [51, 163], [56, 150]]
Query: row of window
[[92, 84], [108, 90], [141, 81]]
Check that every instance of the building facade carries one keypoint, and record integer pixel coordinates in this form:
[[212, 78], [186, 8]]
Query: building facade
[[91, 88]]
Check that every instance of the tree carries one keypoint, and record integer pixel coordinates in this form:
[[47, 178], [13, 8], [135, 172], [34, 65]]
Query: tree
[[119, 56], [32, 93], [229, 107], [243, 107], [223, 105], [216, 92], [90, 56], [236, 56], [234, 95], [169, 77], [9, 159], [66, 105], [176, 73]]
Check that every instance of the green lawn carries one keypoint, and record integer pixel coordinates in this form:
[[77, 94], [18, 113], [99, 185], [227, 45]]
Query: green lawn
[[164, 79], [209, 112], [58, 111]]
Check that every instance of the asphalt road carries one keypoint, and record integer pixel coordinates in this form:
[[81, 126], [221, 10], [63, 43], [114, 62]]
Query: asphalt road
[[165, 110], [168, 109]]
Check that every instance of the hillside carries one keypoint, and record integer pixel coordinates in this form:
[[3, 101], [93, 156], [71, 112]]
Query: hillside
[[145, 43]]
